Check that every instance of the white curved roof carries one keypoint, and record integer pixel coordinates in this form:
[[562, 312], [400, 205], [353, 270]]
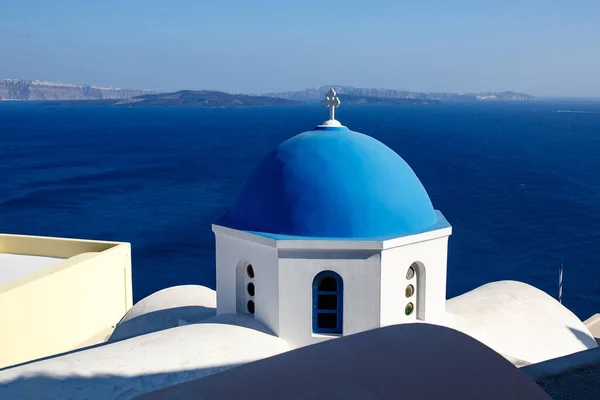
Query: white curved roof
[[133, 366], [406, 361], [520, 322], [167, 308]]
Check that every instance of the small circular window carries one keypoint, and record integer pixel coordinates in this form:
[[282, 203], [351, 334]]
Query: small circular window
[[410, 307], [250, 289], [250, 271], [410, 273], [250, 306], [409, 291]]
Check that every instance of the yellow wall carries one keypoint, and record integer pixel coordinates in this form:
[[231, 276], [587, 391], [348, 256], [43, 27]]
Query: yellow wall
[[593, 324], [64, 306]]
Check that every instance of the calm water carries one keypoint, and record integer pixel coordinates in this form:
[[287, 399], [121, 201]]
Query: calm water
[[519, 182]]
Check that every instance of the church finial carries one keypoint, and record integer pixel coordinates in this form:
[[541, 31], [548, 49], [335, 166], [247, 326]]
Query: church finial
[[332, 102]]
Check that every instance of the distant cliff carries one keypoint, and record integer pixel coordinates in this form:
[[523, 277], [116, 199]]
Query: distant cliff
[[183, 98], [16, 89], [481, 96], [318, 93], [353, 99]]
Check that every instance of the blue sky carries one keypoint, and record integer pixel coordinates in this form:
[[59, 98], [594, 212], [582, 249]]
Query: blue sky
[[546, 48]]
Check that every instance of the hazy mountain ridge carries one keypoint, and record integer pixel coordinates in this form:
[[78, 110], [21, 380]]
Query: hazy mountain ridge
[[19, 89], [354, 99], [204, 98], [216, 99], [319, 93], [182, 98]]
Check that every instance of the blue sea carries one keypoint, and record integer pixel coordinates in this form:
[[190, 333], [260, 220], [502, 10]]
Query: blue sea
[[518, 181]]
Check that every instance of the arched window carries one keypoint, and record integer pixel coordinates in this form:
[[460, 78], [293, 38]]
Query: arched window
[[245, 288], [413, 304], [328, 303]]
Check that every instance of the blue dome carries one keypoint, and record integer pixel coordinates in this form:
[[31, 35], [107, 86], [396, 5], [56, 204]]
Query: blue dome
[[332, 183]]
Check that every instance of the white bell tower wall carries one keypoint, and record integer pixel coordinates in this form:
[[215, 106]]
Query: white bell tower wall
[[413, 278], [367, 284], [358, 269], [247, 277]]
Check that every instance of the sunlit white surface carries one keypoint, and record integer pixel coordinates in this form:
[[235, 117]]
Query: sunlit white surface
[[13, 266]]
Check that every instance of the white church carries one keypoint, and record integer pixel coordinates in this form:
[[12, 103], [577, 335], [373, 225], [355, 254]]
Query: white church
[[332, 234]]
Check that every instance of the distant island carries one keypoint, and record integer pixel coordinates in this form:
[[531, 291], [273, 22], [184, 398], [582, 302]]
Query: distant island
[[318, 93], [216, 99], [56, 93], [205, 99], [184, 98]]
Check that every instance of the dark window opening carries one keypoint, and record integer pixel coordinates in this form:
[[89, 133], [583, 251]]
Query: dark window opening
[[327, 321], [250, 271], [328, 284], [250, 306], [250, 289], [328, 303]]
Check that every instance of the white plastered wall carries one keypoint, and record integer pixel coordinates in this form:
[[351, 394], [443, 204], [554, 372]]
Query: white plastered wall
[[360, 271], [232, 256], [430, 290]]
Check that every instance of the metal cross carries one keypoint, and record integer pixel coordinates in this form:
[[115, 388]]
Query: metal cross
[[331, 101]]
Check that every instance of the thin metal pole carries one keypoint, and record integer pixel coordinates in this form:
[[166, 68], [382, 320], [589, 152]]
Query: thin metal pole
[[560, 282]]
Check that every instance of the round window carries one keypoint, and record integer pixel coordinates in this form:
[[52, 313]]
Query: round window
[[250, 271], [250, 289], [410, 273], [409, 291], [410, 307], [250, 306]]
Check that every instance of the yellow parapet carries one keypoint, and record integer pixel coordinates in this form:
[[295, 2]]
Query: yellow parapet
[[593, 324], [59, 294]]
